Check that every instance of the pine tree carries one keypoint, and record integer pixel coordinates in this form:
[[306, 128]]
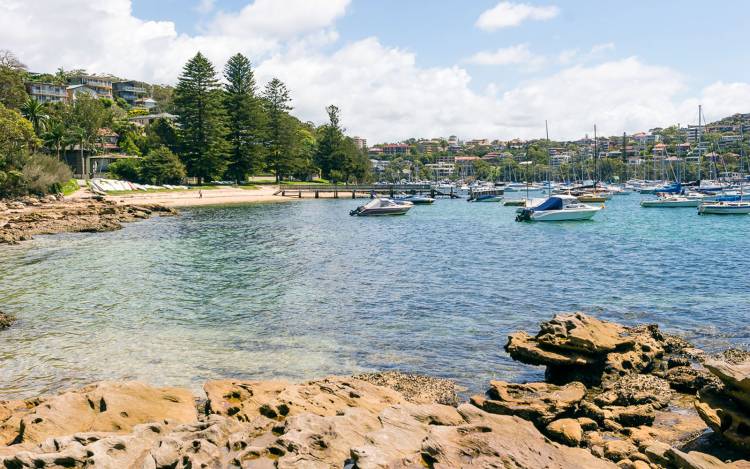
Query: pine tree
[[329, 156], [281, 129], [247, 119], [199, 104]]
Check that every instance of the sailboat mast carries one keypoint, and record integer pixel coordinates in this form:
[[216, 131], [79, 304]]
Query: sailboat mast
[[700, 139], [549, 160], [596, 156]]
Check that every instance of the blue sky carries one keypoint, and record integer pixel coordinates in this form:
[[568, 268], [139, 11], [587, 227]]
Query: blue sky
[[423, 68], [707, 41]]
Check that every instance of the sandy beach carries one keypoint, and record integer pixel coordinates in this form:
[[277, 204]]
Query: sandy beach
[[192, 198]]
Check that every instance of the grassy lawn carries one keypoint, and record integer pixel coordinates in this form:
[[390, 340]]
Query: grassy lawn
[[69, 187], [304, 183]]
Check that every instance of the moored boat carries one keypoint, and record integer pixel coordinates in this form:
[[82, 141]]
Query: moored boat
[[724, 208], [382, 206], [416, 199], [558, 208], [672, 201]]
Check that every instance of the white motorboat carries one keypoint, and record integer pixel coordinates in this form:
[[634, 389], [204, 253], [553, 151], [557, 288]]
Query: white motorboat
[[558, 208], [724, 208], [416, 199], [382, 206], [672, 201]]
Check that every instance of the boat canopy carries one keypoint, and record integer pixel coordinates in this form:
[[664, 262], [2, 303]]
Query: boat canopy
[[552, 203]]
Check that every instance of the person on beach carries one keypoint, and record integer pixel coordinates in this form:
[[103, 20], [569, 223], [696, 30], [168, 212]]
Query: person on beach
[[200, 193]]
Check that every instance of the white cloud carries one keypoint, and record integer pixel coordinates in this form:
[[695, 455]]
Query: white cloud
[[518, 54], [508, 14], [205, 6], [383, 93], [597, 51]]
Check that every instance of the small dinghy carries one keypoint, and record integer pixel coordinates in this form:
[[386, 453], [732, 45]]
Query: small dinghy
[[382, 206]]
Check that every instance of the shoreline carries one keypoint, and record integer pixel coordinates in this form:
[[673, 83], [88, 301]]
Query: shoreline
[[191, 198], [614, 397]]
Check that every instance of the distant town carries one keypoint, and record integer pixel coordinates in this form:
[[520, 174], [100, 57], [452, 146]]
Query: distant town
[[645, 153]]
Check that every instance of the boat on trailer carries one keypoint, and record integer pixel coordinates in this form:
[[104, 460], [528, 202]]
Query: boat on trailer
[[382, 206]]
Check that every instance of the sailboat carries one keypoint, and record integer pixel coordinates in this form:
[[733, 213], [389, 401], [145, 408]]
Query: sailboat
[[740, 207], [559, 207]]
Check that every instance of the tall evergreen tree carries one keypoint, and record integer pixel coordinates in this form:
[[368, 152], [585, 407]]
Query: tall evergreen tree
[[246, 118], [199, 104], [281, 128], [329, 155]]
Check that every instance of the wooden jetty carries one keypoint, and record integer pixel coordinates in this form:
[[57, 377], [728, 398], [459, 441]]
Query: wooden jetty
[[360, 190]]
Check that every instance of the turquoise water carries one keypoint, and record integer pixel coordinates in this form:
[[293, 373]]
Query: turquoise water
[[301, 289]]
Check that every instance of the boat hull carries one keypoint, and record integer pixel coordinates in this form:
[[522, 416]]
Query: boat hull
[[669, 203], [565, 215], [720, 209], [379, 212]]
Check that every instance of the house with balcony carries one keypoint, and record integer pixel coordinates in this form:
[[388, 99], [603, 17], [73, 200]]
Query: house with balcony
[[441, 169], [76, 91], [396, 149], [133, 92], [47, 92], [102, 86]]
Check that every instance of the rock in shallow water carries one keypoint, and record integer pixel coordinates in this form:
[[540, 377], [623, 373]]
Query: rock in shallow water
[[6, 320], [538, 402]]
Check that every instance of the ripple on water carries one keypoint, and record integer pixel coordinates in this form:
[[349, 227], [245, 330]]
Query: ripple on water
[[301, 290]]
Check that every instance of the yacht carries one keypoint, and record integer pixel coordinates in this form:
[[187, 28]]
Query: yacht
[[416, 199], [724, 208], [558, 208], [673, 201], [382, 206]]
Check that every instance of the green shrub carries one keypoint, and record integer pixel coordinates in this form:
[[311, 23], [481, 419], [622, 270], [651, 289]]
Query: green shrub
[[126, 169], [161, 166], [43, 174]]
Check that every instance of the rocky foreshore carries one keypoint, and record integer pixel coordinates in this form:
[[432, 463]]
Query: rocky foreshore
[[22, 219], [615, 396]]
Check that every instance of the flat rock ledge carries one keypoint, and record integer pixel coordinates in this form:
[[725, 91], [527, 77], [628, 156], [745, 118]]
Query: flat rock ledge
[[335, 422], [612, 402], [21, 220]]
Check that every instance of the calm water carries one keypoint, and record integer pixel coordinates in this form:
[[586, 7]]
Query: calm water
[[302, 289]]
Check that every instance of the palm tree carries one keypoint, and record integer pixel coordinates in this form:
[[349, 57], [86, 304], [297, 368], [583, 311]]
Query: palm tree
[[34, 111], [61, 76], [55, 136]]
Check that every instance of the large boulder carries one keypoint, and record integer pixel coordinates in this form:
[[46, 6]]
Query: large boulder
[[102, 407], [724, 416], [538, 402], [577, 347], [581, 333]]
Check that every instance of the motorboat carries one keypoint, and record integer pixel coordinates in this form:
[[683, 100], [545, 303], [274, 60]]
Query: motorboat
[[724, 208], [671, 188], [558, 208], [485, 194], [598, 196], [487, 198], [416, 199], [672, 201], [522, 187], [382, 206]]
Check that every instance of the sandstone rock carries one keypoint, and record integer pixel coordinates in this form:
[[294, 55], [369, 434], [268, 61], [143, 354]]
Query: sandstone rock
[[694, 460], [643, 350], [581, 333], [587, 424], [245, 400], [636, 389], [102, 407], [539, 402], [724, 417], [566, 431], [657, 452], [498, 441], [526, 349], [688, 379], [418, 389], [618, 449]]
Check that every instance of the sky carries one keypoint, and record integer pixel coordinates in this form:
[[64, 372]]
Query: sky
[[424, 68]]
